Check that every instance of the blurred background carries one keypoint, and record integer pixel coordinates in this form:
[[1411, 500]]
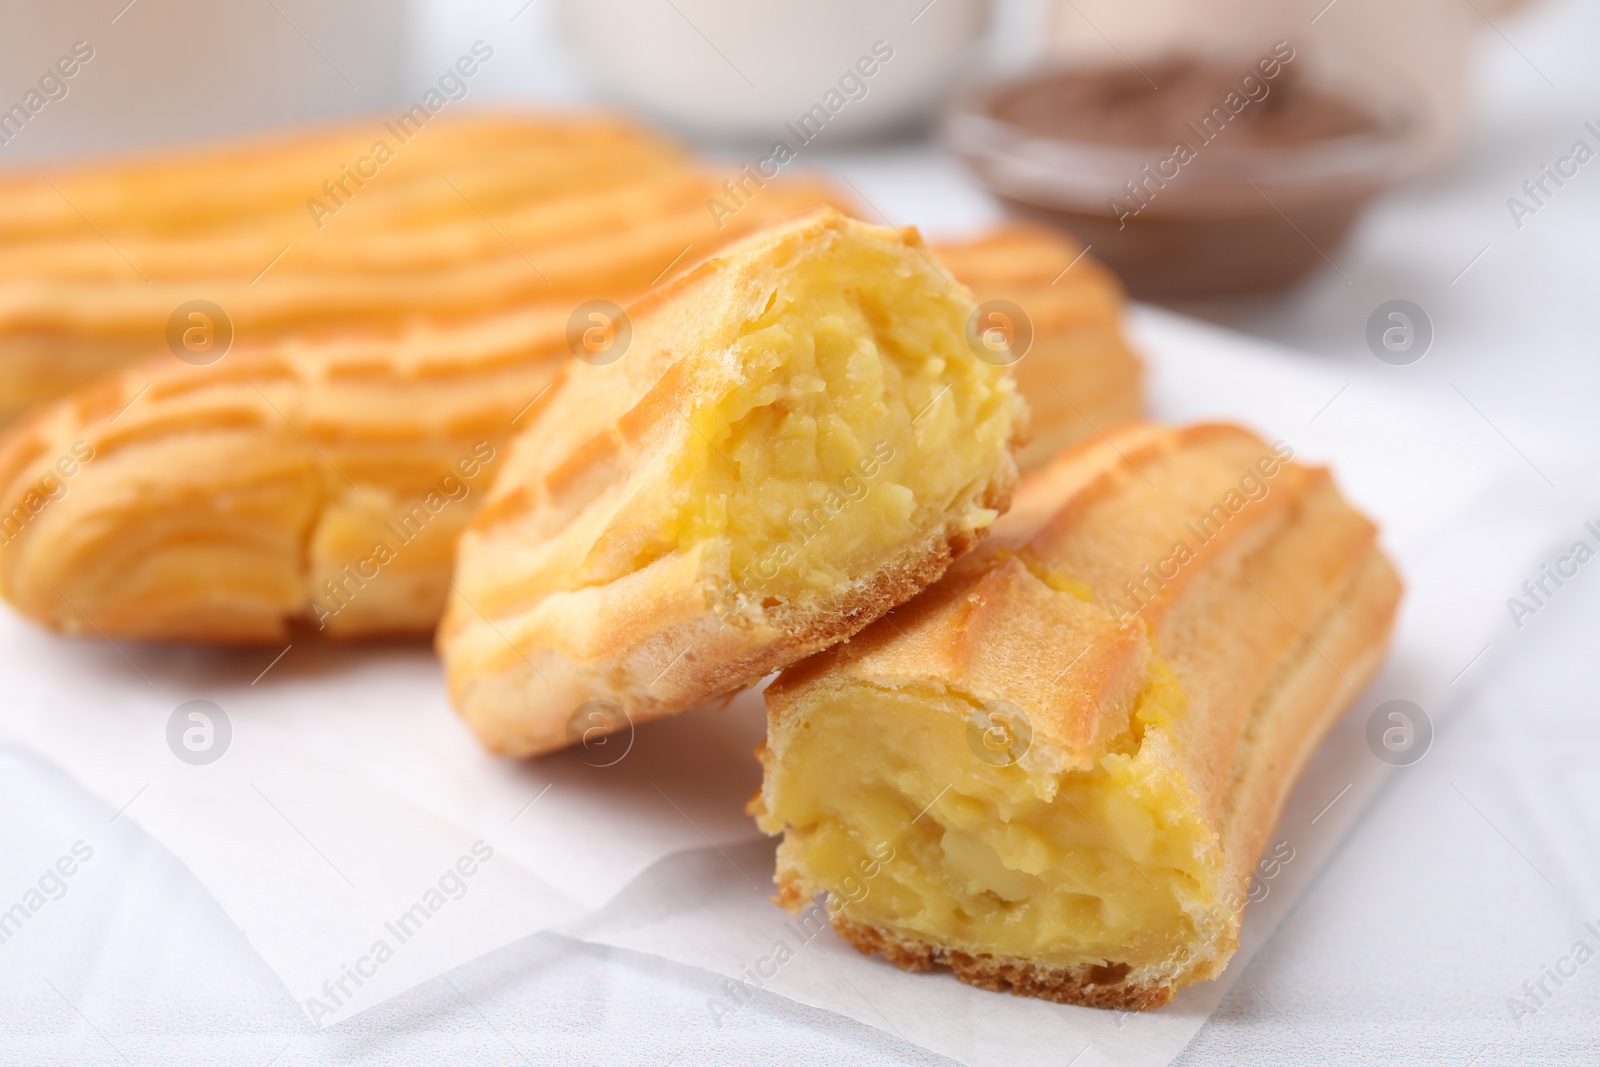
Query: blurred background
[[1404, 153], [1458, 104]]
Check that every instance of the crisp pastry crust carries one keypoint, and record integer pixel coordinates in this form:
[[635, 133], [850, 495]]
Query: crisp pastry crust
[[1090, 985], [244, 500], [285, 233], [799, 439], [1152, 709], [266, 178]]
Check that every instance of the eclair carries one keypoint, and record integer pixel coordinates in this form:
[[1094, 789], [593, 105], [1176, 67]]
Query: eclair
[[317, 485], [1062, 762], [799, 438]]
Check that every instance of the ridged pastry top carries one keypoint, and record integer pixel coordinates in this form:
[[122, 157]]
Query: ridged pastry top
[[372, 223], [263, 182], [1146, 532]]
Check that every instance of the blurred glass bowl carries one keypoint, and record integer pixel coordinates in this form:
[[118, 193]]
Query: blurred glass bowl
[[1240, 216]]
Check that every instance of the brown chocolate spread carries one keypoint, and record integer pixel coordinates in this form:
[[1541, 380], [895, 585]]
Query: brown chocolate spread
[[1168, 100], [1187, 175]]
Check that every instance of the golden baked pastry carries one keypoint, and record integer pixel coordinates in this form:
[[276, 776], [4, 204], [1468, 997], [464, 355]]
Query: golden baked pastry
[[1055, 771], [799, 438], [281, 484], [1078, 372], [469, 216], [496, 157], [349, 433]]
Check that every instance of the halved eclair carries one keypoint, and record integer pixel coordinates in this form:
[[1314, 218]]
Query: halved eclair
[[799, 438], [1060, 765]]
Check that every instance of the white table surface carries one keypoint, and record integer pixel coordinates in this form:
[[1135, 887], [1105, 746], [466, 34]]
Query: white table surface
[[1475, 870]]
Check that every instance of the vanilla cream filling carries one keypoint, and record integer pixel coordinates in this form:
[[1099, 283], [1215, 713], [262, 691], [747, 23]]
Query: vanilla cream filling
[[1107, 866], [862, 421]]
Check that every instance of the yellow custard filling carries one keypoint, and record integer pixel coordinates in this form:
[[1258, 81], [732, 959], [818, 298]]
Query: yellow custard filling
[[861, 422], [1107, 866]]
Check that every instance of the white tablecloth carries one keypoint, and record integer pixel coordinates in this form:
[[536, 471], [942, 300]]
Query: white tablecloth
[[1471, 875]]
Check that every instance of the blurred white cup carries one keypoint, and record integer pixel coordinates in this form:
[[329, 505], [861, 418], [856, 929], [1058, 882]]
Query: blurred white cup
[[736, 70]]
